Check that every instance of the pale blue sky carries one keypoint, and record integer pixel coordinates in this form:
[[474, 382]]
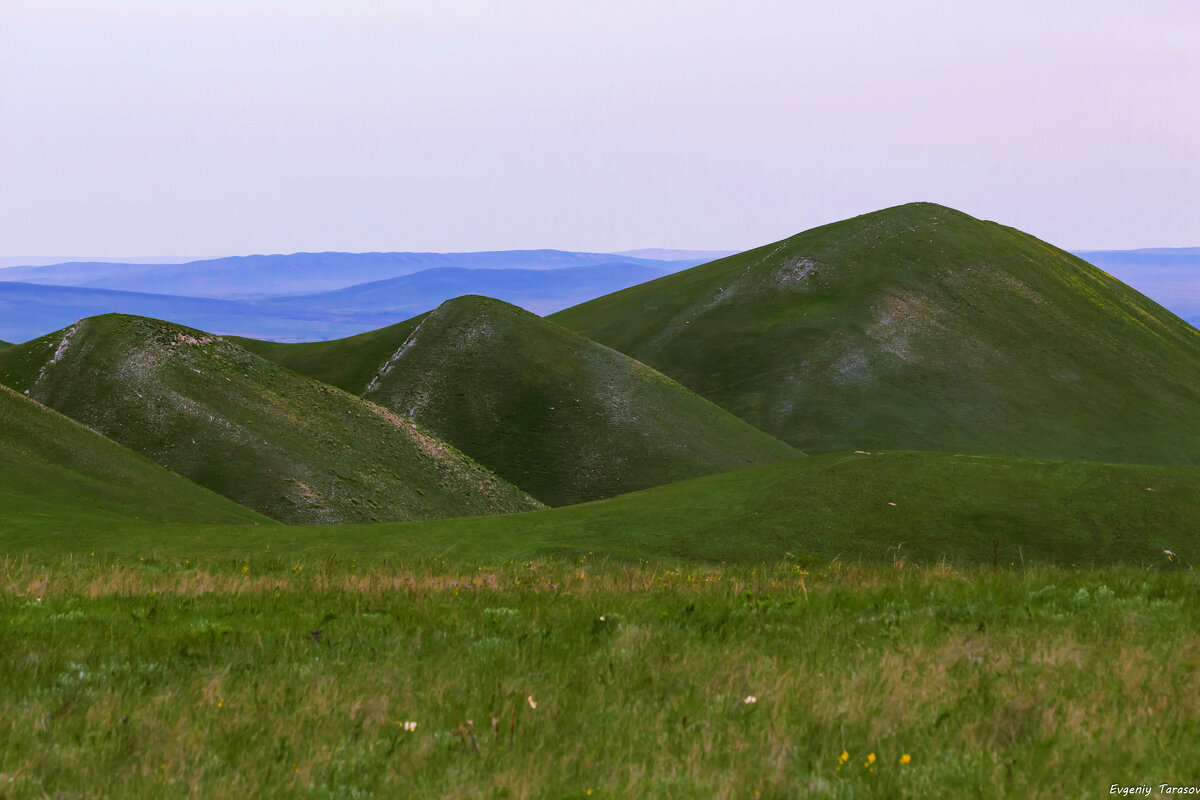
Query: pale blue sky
[[214, 127]]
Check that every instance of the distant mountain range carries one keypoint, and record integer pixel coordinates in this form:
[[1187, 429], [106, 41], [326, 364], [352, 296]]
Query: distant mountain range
[[310, 296], [320, 296], [30, 310], [258, 276]]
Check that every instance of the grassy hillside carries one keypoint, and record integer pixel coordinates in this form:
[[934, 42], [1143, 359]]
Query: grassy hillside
[[55, 474], [282, 444], [4, 345], [920, 327], [963, 509], [1171, 276], [561, 416], [839, 506]]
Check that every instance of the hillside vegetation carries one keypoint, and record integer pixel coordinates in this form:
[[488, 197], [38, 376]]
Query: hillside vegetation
[[962, 509], [956, 509], [1170, 275], [56, 475], [564, 418], [920, 327], [279, 443]]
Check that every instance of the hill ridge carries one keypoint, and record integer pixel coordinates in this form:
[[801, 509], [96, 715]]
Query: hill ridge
[[920, 327], [280, 443], [565, 418]]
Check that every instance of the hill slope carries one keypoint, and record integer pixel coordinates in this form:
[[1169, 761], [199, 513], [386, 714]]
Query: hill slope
[[835, 505], [809, 510], [282, 444], [920, 327], [1171, 276], [57, 473], [563, 417]]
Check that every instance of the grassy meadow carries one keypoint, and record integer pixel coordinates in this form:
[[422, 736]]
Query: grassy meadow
[[181, 672]]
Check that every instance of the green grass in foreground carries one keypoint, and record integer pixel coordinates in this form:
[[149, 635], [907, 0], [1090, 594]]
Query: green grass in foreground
[[294, 677]]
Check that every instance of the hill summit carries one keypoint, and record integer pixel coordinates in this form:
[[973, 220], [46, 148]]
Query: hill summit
[[920, 327], [279, 443], [564, 418]]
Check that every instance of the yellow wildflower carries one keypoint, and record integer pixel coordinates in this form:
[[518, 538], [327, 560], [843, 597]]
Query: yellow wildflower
[[904, 759]]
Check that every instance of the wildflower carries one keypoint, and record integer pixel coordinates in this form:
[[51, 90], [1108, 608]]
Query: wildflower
[[904, 759], [602, 618], [410, 726], [531, 701], [221, 702], [750, 700], [842, 759]]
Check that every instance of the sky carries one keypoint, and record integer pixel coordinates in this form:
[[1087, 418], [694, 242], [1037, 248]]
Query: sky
[[221, 127]]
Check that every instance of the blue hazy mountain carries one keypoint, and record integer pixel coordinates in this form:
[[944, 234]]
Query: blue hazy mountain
[[31, 310], [539, 291], [28, 311], [1169, 276], [242, 277], [666, 254]]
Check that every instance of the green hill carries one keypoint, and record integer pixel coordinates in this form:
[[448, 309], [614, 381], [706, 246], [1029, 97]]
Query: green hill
[[279, 443], [919, 327], [4, 345], [838, 505], [965, 509], [57, 474], [561, 416]]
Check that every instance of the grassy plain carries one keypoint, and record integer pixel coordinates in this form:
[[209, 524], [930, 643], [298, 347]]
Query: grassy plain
[[177, 673]]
